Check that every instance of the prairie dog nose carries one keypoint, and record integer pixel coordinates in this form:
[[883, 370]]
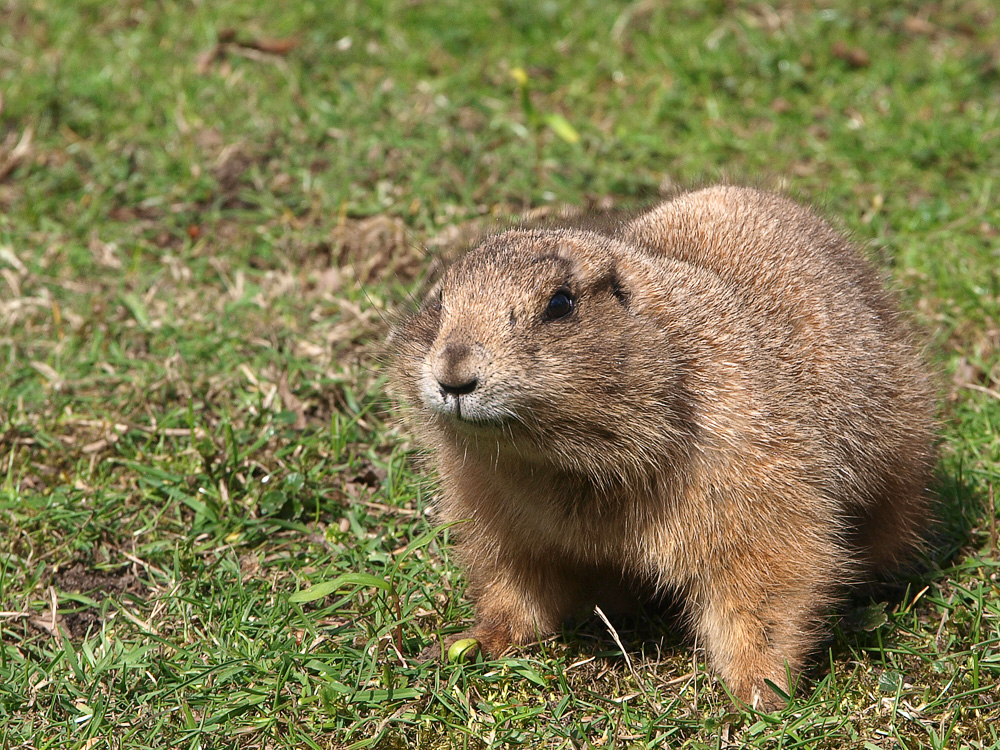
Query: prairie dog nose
[[459, 389], [455, 370]]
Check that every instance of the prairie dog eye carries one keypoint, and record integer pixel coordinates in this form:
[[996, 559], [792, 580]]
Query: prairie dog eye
[[559, 306]]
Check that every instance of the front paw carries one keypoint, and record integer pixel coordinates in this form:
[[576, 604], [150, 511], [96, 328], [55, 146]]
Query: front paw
[[494, 640], [759, 694]]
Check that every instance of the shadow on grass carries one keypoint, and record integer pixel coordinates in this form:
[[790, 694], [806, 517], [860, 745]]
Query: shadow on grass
[[867, 621], [864, 623]]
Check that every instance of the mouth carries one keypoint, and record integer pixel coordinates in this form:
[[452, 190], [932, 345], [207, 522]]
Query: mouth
[[472, 408], [453, 404], [469, 413], [466, 414]]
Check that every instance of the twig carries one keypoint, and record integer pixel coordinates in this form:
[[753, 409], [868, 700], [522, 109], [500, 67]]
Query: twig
[[55, 611], [982, 389], [993, 521], [944, 619], [694, 670], [628, 660], [17, 155], [147, 566], [614, 634], [387, 508], [689, 676], [136, 620]]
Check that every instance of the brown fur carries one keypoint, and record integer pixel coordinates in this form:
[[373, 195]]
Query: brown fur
[[733, 410]]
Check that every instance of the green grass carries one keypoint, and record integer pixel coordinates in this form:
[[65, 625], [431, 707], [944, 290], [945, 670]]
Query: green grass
[[198, 256]]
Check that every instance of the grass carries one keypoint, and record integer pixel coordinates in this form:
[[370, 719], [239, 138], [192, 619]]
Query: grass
[[208, 212]]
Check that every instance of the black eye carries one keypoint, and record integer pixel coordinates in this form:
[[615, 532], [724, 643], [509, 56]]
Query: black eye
[[559, 306]]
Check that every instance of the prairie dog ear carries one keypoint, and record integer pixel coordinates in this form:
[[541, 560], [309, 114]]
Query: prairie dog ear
[[612, 281], [608, 280], [618, 288], [432, 300]]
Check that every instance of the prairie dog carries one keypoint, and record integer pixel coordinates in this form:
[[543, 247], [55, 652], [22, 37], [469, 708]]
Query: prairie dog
[[717, 398]]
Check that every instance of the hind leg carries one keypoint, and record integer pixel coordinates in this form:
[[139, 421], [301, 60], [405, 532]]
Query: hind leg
[[759, 626], [889, 531]]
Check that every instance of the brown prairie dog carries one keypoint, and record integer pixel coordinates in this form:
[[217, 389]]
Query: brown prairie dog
[[718, 398]]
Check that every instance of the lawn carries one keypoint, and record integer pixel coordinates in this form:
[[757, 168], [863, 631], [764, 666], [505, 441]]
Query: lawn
[[210, 214]]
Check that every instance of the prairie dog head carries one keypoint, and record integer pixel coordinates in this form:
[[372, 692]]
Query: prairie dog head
[[531, 339]]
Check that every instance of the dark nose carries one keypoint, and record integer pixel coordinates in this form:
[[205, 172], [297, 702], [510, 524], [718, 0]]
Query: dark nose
[[457, 378], [458, 388]]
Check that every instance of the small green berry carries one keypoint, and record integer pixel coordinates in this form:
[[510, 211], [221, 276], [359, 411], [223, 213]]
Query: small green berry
[[462, 650]]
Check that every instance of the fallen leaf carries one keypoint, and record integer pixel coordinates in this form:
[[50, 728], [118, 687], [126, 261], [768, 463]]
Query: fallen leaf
[[853, 56], [15, 154], [918, 25], [272, 46], [781, 106]]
